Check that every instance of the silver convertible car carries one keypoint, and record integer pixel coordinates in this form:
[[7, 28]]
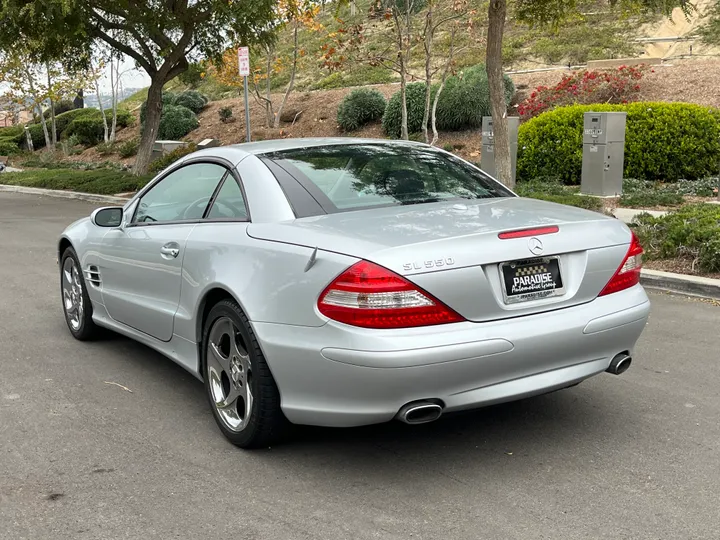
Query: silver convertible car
[[344, 282]]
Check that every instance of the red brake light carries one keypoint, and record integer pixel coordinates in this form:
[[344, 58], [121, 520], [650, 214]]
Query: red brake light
[[371, 296], [628, 274], [539, 231]]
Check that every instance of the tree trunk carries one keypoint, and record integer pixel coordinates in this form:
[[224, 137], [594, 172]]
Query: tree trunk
[[269, 113], [428, 69], [404, 135], [291, 84], [102, 108], [446, 70], [494, 66], [28, 138], [403, 77], [38, 105], [152, 121], [53, 125], [114, 86]]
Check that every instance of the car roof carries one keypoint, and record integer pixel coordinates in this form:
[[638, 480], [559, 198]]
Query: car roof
[[276, 145]]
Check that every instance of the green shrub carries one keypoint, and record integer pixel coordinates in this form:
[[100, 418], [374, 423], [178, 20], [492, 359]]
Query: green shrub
[[193, 100], [14, 134], [176, 122], [171, 157], [360, 107], [664, 141], [37, 135], [225, 114], [62, 121], [168, 98], [193, 76], [129, 148], [692, 232], [8, 148], [105, 148], [415, 99], [465, 99], [88, 130], [61, 107]]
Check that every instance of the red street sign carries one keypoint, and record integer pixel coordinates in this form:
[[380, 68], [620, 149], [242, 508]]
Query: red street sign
[[243, 61]]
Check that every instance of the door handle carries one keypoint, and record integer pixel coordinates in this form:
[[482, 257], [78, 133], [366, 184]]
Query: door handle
[[170, 251]]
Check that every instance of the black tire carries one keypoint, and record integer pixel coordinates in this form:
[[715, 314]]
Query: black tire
[[84, 329], [266, 423]]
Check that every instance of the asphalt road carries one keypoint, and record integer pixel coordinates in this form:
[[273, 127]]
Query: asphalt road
[[636, 456]]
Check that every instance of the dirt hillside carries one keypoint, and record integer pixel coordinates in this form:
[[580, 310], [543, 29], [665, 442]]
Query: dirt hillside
[[689, 80]]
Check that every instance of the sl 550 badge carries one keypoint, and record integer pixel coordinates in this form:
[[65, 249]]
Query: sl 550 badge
[[427, 265]]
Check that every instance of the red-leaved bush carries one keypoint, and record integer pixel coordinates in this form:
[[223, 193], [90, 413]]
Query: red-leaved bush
[[620, 85]]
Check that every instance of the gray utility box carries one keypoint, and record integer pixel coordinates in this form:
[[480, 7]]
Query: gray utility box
[[603, 153], [487, 156], [160, 148]]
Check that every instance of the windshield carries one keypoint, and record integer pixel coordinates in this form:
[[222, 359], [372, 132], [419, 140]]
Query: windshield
[[370, 175]]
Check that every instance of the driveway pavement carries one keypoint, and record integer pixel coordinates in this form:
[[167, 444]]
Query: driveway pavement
[[630, 457]]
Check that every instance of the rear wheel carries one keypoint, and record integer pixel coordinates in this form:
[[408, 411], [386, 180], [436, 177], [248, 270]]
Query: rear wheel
[[243, 396], [76, 302]]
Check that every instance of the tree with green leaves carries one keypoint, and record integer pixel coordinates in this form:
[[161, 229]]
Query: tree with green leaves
[[34, 84], [162, 37], [539, 13]]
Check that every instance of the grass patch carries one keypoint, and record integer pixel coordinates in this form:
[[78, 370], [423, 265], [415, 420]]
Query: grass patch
[[100, 181], [552, 190]]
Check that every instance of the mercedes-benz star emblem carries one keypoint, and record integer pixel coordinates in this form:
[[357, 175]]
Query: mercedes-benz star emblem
[[535, 245]]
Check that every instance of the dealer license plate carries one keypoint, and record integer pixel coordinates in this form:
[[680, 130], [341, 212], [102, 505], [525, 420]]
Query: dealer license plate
[[532, 279]]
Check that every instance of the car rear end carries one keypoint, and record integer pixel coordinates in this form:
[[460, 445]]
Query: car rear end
[[453, 305]]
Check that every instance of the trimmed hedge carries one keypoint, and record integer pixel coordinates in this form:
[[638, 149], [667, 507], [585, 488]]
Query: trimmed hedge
[[664, 142], [193, 100], [360, 107], [176, 122], [65, 128], [89, 127], [168, 98], [8, 148], [89, 131], [465, 99]]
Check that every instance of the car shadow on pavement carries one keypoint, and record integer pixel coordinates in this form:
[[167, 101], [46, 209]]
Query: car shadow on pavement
[[577, 419]]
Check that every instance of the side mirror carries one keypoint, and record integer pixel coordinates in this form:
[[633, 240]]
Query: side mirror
[[110, 216]]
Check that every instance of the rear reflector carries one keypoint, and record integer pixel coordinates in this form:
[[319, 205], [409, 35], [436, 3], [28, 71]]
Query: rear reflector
[[524, 233], [628, 274], [371, 296]]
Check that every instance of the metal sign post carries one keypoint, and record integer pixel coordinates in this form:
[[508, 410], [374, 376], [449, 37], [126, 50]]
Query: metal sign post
[[244, 70]]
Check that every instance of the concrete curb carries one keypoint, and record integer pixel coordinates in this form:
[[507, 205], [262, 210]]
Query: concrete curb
[[91, 197], [681, 284]]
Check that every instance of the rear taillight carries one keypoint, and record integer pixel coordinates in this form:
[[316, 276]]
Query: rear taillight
[[628, 274], [371, 296]]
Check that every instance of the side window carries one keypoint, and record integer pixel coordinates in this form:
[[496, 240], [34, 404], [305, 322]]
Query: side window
[[229, 202], [182, 195]]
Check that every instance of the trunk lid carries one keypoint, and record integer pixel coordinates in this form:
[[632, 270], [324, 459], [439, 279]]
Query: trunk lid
[[452, 250]]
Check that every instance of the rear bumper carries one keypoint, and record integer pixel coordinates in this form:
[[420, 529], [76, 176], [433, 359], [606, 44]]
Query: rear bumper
[[336, 375]]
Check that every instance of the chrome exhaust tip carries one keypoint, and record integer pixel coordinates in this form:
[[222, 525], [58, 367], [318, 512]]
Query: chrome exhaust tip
[[620, 364], [419, 413]]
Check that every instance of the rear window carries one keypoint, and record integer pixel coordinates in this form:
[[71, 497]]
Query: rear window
[[372, 175]]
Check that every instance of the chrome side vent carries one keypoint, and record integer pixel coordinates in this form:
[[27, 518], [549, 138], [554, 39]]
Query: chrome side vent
[[92, 276]]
